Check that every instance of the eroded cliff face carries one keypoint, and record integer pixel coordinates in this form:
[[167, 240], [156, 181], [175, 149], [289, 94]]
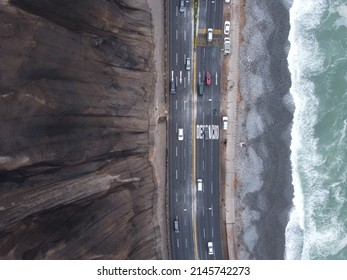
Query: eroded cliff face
[[76, 83]]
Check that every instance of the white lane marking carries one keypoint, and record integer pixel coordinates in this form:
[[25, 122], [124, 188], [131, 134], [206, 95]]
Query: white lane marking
[[212, 232], [176, 174], [178, 243], [204, 53], [172, 75], [199, 77], [184, 198], [176, 152], [216, 78], [176, 80], [188, 77], [215, 132], [184, 82], [204, 233], [176, 104], [203, 166], [185, 221], [176, 58], [176, 11], [211, 211], [184, 35], [181, 77], [203, 210], [186, 243], [176, 34], [184, 104], [176, 197], [176, 126], [211, 187]]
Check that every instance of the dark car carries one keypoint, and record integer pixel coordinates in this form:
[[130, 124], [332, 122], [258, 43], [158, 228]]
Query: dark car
[[215, 112], [201, 89], [208, 78], [172, 86], [206, 133]]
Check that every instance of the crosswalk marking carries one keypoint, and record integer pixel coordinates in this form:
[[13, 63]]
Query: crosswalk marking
[[213, 131]]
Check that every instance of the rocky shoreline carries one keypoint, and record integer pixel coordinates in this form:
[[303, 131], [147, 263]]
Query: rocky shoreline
[[265, 113]]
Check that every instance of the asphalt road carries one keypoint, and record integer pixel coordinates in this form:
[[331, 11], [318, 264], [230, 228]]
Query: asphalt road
[[208, 57], [180, 116], [186, 203]]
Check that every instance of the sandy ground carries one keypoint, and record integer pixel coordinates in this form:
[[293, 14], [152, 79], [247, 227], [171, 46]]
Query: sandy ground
[[158, 123], [230, 92]]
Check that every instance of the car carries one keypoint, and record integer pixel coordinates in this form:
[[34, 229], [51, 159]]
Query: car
[[227, 1], [201, 89], [210, 247], [227, 27], [180, 134], [225, 123], [208, 78], [209, 35], [176, 227], [199, 184], [182, 6], [188, 62], [172, 86], [215, 112], [206, 132], [226, 45]]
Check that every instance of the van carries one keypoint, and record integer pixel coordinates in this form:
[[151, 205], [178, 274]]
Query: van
[[182, 7], [226, 45], [209, 35], [199, 184]]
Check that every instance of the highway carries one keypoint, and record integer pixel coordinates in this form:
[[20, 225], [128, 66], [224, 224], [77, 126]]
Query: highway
[[208, 115], [180, 116], [197, 212]]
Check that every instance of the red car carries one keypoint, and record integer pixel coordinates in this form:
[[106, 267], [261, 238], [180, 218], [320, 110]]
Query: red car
[[208, 78]]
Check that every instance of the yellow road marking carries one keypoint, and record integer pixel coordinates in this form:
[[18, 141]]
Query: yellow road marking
[[193, 154], [204, 31]]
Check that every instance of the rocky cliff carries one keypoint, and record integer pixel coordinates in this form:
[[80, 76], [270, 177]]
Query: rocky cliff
[[76, 84]]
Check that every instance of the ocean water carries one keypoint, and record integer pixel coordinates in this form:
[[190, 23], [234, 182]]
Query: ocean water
[[318, 64]]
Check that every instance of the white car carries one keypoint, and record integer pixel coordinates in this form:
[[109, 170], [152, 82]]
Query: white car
[[209, 35], [227, 27], [226, 45], [225, 123], [180, 134], [210, 247], [199, 183], [227, 1]]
